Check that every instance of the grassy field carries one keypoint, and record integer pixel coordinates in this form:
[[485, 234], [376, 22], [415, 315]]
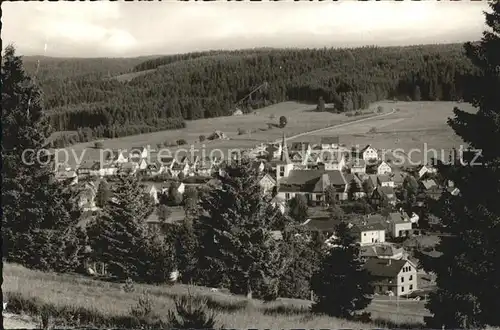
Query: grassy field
[[301, 118], [87, 302]]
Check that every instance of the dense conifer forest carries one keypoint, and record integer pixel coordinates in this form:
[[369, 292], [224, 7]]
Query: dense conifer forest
[[82, 96]]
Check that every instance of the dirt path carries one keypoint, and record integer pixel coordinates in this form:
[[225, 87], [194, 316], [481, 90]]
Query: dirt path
[[336, 126]]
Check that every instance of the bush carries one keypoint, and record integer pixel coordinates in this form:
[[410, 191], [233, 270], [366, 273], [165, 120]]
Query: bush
[[380, 109], [181, 142], [270, 125], [202, 138], [98, 145], [358, 113], [144, 307], [192, 313], [283, 121], [241, 131], [129, 285], [372, 130], [349, 114]]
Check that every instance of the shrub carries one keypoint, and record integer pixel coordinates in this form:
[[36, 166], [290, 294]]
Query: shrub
[[129, 285], [372, 130], [380, 109], [349, 114], [98, 145], [202, 138], [283, 121], [144, 307], [181, 142], [241, 131], [358, 113], [270, 125], [192, 313]]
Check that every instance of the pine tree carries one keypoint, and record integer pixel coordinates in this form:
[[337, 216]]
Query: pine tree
[[120, 236], [467, 272], [32, 201], [353, 189], [186, 247], [234, 233], [103, 194], [341, 285], [299, 209]]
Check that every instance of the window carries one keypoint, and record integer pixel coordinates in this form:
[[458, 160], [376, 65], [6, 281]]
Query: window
[[411, 286], [364, 234], [318, 197], [411, 278], [402, 288], [402, 278], [287, 196]]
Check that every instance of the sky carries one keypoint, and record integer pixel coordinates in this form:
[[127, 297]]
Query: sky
[[127, 29]]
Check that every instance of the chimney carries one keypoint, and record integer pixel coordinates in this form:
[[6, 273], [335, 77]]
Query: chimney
[[389, 262]]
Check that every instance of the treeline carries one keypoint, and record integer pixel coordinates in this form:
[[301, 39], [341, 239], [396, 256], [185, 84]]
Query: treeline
[[205, 85]]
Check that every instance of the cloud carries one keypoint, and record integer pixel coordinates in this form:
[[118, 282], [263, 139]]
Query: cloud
[[143, 28]]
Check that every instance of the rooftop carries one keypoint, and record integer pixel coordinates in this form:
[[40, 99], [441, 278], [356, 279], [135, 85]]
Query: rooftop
[[384, 267]]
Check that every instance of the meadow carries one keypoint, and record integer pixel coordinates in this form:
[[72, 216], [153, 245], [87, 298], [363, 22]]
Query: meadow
[[301, 118], [75, 300]]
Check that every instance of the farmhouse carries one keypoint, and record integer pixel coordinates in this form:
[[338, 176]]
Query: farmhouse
[[330, 142], [393, 277], [367, 233], [383, 168]]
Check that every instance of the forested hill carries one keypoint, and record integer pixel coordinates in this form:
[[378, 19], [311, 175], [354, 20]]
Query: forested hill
[[207, 84]]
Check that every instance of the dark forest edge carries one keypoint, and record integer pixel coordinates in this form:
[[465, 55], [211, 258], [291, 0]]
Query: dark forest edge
[[81, 97]]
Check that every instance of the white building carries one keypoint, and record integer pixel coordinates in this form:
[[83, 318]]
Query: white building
[[369, 233], [384, 168], [369, 153]]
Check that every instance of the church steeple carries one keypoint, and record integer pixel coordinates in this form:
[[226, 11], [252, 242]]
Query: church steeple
[[284, 149]]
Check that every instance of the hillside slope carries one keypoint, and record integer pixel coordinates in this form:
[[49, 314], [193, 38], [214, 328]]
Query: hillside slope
[[205, 85]]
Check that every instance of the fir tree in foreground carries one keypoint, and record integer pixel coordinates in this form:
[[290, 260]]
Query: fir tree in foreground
[[341, 285], [468, 271], [236, 247], [120, 236], [37, 211], [191, 313]]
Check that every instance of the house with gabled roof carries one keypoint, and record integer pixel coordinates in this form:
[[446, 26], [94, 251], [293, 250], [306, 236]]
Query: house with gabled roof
[[117, 156], [384, 168], [312, 184], [426, 169], [380, 194], [385, 180], [358, 166], [331, 160], [369, 233], [400, 224], [178, 167], [151, 189], [382, 251], [330, 142], [369, 153], [139, 152], [392, 277], [155, 168], [267, 183], [204, 167]]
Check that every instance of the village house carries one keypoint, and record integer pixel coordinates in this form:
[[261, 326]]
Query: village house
[[382, 251], [117, 156], [426, 169], [392, 277], [155, 168], [431, 188], [400, 224], [127, 168], [178, 168], [267, 183], [385, 180], [151, 190], [331, 160], [369, 233], [358, 166], [398, 178], [383, 193], [330, 142], [383, 168], [205, 167], [312, 184], [369, 154], [139, 152]]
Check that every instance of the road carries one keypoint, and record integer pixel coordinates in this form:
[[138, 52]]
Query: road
[[336, 126]]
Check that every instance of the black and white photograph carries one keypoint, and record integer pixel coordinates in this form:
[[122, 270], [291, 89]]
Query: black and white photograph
[[250, 164]]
